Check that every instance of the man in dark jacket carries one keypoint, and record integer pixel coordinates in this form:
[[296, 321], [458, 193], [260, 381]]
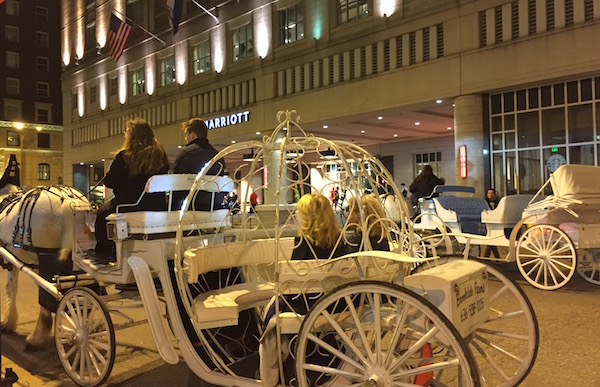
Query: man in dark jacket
[[424, 184], [192, 158]]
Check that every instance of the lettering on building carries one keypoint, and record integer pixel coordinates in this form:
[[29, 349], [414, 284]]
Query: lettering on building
[[232, 119]]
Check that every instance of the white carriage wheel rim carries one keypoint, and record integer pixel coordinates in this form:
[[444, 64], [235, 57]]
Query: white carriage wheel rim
[[590, 275], [526, 310], [88, 333], [544, 269], [532, 324], [463, 357]]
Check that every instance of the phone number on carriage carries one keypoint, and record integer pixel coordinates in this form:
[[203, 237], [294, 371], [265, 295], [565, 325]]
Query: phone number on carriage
[[471, 301], [471, 309]]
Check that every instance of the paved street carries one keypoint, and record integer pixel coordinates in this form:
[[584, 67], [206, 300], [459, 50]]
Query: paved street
[[568, 354]]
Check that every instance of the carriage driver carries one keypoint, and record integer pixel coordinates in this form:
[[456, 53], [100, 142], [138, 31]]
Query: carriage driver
[[140, 157], [192, 158]]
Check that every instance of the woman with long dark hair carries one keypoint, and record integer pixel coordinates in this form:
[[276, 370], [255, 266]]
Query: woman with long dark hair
[[140, 157]]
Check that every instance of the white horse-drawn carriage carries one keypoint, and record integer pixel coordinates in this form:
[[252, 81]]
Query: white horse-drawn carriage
[[236, 302], [549, 235]]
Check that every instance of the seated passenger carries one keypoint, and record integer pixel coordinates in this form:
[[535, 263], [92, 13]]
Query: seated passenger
[[320, 230], [319, 239], [140, 157], [375, 223]]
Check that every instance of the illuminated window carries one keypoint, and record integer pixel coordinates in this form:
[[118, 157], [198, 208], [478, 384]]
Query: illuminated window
[[201, 55], [12, 138], [93, 94], [41, 14], [90, 35], [12, 7], [433, 158], [42, 64], [43, 171], [13, 86], [114, 86], [291, 24], [243, 46], [41, 39], [135, 11], [42, 89], [12, 34], [137, 82], [351, 10], [42, 115], [167, 70], [12, 59], [12, 110]]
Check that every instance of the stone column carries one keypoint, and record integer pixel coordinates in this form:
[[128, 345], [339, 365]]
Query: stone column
[[468, 130]]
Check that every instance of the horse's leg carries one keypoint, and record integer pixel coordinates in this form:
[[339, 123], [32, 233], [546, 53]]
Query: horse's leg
[[9, 323], [42, 334], [49, 265]]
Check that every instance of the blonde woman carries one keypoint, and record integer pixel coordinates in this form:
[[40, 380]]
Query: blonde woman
[[375, 224], [140, 157], [319, 228]]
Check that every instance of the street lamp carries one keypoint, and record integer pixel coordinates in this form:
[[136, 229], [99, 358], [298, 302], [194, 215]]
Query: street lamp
[[22, 135]]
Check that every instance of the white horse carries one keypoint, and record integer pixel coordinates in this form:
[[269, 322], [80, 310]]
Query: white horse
[[36, 225]]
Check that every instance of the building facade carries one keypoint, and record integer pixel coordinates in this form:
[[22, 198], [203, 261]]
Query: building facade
[[30, 96], [522, 77]]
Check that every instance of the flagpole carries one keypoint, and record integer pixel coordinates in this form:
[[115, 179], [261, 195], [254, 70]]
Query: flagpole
[[206, 10], [142, 28]]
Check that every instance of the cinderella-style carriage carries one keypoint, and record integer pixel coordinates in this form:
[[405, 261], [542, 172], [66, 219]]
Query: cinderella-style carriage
[[243, 312], [549, 235]]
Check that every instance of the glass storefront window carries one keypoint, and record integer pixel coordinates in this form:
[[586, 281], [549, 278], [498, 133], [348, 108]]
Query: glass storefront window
[[581, 123], [559, 94], [511, 173], [497, 141], [528, 129], [499, 174], [581, 154], [553, 126], [509, 102], [509, 122], [496, 104], [497, 124], [509, 139], [529, 171], [535, 130]]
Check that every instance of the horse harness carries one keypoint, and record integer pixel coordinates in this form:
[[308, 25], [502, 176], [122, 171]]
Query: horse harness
[[22, 230]]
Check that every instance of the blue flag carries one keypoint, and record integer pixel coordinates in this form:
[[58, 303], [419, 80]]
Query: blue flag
[[174, 8]]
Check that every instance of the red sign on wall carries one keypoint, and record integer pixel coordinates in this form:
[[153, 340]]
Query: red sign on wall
[[462, 157]]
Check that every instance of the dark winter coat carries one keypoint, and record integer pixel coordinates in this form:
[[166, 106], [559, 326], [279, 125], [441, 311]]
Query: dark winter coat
[[424, 185], [127, 188], [191, 159]]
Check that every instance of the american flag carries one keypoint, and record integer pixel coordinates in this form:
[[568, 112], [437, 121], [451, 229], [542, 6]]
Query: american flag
[[118, 34]]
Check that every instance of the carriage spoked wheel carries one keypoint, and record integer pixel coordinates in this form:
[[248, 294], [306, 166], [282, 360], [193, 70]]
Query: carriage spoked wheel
[[546, 257], [85, 337], [506, 345], [588, 265], [373, 333]]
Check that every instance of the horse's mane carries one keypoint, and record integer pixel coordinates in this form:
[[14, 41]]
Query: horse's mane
[[11, 175]]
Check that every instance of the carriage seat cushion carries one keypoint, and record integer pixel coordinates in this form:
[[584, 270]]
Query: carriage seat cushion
[[203, 259], [466, 209], [221, 307], [154, 222], [509, 210]]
